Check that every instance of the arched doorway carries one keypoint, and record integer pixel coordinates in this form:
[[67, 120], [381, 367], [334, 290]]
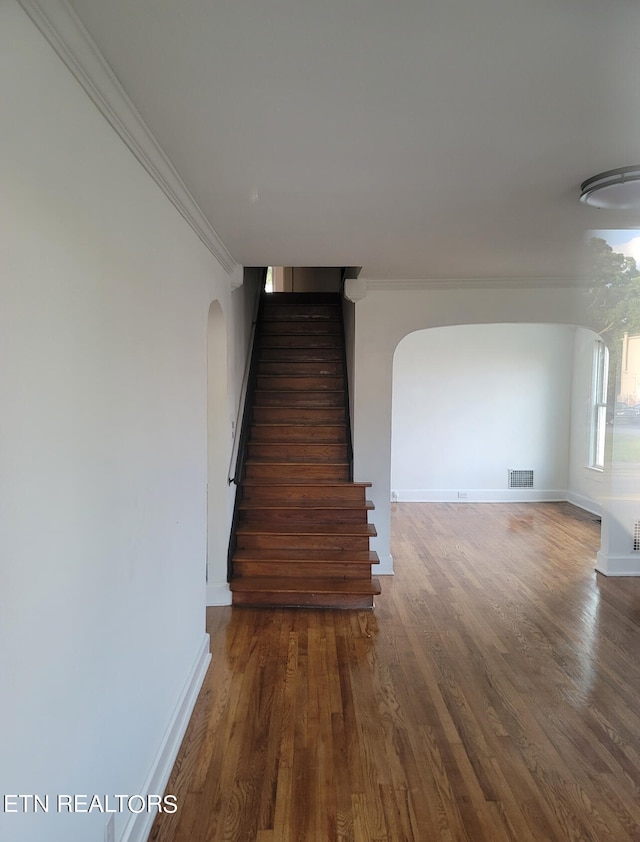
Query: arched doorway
[[494, 413]]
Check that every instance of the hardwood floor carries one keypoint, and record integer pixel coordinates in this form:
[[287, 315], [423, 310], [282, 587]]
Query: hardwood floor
[[493, 694]]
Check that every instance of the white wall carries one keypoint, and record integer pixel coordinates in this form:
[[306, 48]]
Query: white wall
[[104, 299], [472, 401]]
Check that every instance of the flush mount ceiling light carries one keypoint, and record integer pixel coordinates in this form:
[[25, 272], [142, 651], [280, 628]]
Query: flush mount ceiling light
[[616, 189]]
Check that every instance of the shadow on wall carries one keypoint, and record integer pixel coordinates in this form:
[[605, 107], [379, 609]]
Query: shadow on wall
[[217, 452]]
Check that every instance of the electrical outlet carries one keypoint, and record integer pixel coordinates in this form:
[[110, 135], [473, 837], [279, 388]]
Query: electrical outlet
[[394, 496], [110, 830], [463, 495]]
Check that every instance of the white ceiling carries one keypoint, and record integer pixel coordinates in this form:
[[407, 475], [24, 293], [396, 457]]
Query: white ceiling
[[415, 138]]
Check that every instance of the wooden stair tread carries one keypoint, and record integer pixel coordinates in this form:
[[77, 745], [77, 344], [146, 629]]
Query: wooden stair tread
[[280, 584], [325, 483], [293, 527], [288, 391], [270, 460], [307, 423], [251, 505], [299, 375], [302, 298], [364, 557]]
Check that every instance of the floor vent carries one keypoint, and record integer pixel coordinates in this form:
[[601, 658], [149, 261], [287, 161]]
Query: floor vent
[[521, 479], [636, 537]]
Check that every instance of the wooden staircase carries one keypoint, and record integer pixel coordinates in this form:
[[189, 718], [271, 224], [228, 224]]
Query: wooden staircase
[[301, 535]]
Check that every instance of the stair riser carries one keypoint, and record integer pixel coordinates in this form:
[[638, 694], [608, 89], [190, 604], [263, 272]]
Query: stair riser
[[350, 543], [302, 570], [303, 516], [297, 450], [303, 341], [287, 495], [294, 328], [298, 415], [307, 313], [305, 383], [316, 433], [302, 600], [297, 471], [298, 399], [318, 368], [301, 355]]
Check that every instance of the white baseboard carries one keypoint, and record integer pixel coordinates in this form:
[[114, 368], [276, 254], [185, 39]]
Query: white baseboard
[[139, 825], [479, 495], [585, 503], [384, 568], [218, 593], [618, 565]]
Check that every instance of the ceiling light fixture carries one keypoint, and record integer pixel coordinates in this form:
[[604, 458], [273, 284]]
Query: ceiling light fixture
[[615, 189]]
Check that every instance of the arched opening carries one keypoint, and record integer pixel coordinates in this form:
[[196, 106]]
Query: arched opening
[[218, 446], [473, 402], [495, 413]]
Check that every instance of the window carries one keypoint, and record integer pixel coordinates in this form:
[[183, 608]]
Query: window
[[599, 405]]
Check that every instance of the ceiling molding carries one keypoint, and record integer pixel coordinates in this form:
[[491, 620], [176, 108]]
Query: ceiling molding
[[64, 31], [476, 283]]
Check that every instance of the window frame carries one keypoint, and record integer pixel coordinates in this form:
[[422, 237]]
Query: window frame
[[598, 414]]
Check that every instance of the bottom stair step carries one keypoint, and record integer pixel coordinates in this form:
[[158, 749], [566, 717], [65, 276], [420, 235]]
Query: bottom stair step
[[324, 593], [355, 557]]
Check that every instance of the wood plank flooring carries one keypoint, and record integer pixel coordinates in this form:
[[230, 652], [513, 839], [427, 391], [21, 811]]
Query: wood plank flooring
[[493, 694]]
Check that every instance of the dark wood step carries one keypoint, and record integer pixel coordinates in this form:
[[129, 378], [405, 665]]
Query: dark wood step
[[298, 414], [318, 433], [330, 505], [299, 368], [305, 492], [299, 398], [316, 563], [300, 355], [300, 382], [300, 569], [304, 341], [312, 514], [276, 591], [291, 471], [289, 327], [301, 312], [345, 537], [305, 299], [291, 527], [272, 451]]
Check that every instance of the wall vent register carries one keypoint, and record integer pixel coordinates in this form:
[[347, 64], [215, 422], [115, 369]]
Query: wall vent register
[[636, 537], [521, 479]]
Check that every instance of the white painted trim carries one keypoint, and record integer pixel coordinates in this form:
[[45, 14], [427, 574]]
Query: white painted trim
[[139, 825], [585, 503], [473, 283], [64, 31], [384, 568], [618, 565], [218, 593], [479, 495]]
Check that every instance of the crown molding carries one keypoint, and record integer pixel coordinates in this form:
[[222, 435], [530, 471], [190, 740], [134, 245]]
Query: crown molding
[[64, 31], [475, 283]]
